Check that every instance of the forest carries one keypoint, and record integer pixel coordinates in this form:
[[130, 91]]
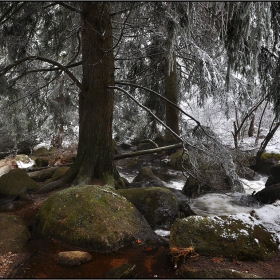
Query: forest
[[122, 123]]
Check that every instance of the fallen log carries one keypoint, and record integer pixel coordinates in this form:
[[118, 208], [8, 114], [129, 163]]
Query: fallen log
[[150, 151]]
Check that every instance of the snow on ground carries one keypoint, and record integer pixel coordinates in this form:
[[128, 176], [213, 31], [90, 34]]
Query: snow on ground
[[25, 165], [211, 115], [267, 215]]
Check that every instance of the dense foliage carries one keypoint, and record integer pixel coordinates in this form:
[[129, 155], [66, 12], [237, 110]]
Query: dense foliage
[[228, 51]]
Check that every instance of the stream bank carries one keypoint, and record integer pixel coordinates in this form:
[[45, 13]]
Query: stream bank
[[38, 258]]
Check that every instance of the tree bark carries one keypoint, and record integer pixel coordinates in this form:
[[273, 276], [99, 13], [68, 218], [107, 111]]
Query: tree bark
[[265, 142], [95, 148], [171, 93], [251, 127], [94, 161]]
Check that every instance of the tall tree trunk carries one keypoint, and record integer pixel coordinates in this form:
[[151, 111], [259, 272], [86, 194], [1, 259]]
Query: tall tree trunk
[[251, 127], [171, 93], [265, 142], [94, 161]]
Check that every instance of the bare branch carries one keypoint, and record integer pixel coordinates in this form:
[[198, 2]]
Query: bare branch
[[149, 111], [69, 7], [150, 151], [60, 66]]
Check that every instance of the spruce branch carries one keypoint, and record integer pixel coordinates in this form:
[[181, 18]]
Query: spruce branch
[[60, 66]]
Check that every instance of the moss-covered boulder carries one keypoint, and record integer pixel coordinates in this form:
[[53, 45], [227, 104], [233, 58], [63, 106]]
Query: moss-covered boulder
[[266, 161], [42, 175], [145, 174], [175, 160], [225, 236], [275, 173], [92, 217], [268, 194], [13, 234], [15, 181], [194, 273], [159, 206], [41, 162]]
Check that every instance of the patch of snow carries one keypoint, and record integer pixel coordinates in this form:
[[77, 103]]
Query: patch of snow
[[25, 165], [47, 145], [267, 216], [162, 232]]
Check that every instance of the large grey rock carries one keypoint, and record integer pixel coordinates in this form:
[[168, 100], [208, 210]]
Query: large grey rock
[[225, 236], [275, 173], [159, 206], [7, 145], [268, 194], [14, 182], [13, 234], [93, 217], [42, 175]]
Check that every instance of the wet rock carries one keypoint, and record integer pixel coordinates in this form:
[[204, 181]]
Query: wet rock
[[265, 163], [269, 181], [275, 173], [145, 175], [13, 234], [41, 162], [269, 194], [42, 175], [193, 189], [15, 181], [245, 172], [72, 257], [92, 217], [175, 160], [159, 206], [42, 151], [7, 145], [185, 209], [188, 272], [124, 271], [155, 183], [224, 236]]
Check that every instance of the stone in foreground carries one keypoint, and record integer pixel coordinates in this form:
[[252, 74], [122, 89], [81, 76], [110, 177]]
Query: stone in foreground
[[93, 217], [223, 236], [13, 234], [72, 257]]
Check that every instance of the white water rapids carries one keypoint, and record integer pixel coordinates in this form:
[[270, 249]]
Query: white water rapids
[[236, 204]]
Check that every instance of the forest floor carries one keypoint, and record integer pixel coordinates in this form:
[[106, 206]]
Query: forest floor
[[37, 260]]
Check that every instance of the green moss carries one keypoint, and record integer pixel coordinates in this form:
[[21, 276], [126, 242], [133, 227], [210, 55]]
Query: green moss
[[91, 216], [267, 156], [158, 205], [15, 181], [223, 236], [59, 172]]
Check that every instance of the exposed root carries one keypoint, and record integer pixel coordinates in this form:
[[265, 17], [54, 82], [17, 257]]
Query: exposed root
[[178, 252], [51, 186]]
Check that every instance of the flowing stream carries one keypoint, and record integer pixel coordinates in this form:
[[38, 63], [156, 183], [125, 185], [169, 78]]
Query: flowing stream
[[209, 204]]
